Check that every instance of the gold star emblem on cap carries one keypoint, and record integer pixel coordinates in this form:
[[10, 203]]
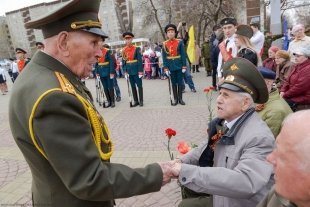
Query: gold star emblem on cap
[[230, 78], [234, 67]]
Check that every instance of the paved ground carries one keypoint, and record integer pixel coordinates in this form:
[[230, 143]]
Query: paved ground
[[138, 135]]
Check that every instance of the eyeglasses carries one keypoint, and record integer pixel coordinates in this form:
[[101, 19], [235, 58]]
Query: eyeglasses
[[297, 55]]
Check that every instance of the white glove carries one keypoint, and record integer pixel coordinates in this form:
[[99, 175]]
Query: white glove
[[183, 70], [140, 75], [111, 76], [167, 72], [98, 77], [126, 76]]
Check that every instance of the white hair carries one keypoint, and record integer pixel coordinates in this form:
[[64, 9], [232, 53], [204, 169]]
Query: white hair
[[297, 27], [246, 95]]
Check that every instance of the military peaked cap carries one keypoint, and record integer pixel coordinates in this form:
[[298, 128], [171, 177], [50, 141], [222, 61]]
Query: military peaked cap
[[228, 20], [128, 34], [170, 27], [244, 30], [241, 75], [20, 50], [39, 44], [72, 16]]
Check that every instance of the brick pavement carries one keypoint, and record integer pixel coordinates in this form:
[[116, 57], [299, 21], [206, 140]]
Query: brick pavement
[[138, 135]]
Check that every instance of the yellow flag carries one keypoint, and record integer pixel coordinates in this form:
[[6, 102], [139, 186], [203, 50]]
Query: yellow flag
[[191, 45]]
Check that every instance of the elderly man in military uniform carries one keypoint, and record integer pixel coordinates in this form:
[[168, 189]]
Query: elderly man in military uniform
[[291, 163], [231, 165], [104, 68], [132, 66], [54, 122], [174, 61]]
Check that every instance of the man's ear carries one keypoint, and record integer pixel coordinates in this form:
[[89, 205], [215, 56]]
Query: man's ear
[[62, 43], [245, 104]]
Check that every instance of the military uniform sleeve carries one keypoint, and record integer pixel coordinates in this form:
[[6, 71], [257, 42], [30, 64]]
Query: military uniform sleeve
[[164, 56], [61, 128], [139, 58], [250, 174], [111, 62]]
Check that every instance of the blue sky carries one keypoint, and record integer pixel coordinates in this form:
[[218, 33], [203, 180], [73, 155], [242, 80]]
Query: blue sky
[[10, 5]]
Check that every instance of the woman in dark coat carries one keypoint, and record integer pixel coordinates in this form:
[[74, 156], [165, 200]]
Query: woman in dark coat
[[245, 47]]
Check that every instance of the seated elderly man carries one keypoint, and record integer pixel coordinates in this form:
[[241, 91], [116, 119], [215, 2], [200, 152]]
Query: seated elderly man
[[291, 162], [274, 111], [232, 164]]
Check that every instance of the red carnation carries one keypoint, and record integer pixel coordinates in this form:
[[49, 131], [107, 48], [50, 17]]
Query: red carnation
[[170, 132], [183, 147]]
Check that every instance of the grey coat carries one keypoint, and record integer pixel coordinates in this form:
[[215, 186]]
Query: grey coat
[[241, 176]]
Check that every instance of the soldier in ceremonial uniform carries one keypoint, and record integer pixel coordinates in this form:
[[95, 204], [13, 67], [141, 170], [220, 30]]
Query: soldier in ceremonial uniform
[[105, 69], [228, 49], [133, 68], [231, 165], [21, 59], [54, 122], [174, 61]]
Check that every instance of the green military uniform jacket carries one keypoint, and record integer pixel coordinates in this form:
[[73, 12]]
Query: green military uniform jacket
[[73, 173], [174, 63], [275, 111], [107, 67], [205, 50], [272, 199], [134, 66]]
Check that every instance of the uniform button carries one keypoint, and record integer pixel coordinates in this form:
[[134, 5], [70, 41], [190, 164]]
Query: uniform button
[[184, 179]]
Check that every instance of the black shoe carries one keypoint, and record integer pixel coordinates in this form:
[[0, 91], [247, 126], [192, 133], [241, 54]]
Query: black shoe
[[135, 104], [112, 105], [118, 99], [180, 96], [141, 103], [193, 90], [106, 104]]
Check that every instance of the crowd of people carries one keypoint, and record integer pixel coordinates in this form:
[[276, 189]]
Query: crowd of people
[[238, 164]]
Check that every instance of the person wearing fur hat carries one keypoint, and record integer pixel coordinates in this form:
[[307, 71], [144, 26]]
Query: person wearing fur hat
[[296, 90], [270, 61], [274, 111], [284, 67], [174, 61], [245, 48]]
